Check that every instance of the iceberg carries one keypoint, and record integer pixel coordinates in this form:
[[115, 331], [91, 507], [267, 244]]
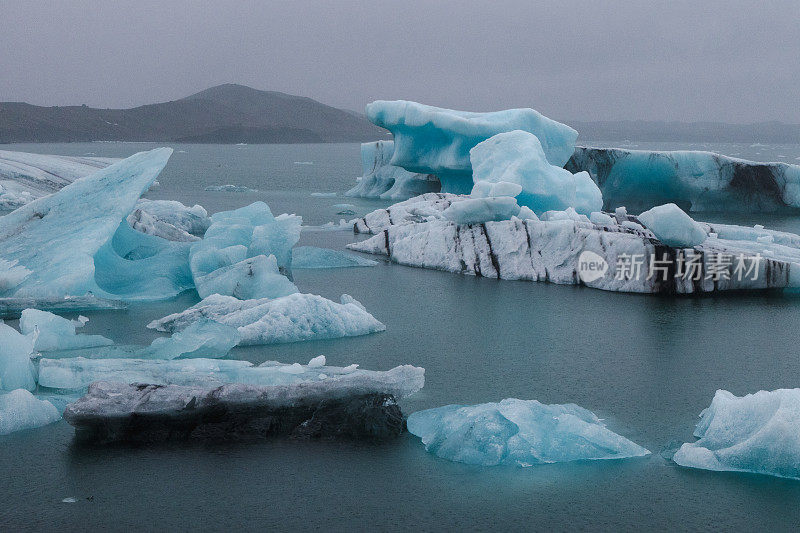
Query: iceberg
[[757, 433], [517, 157], [380, 179], [53, 332], [518, 432], [310, 257], [353, 405], [432, 140], [673, 227], [550, 248], [16, 368], [76, 242], [234, 253], [25, 177], [293, 318], [696, 181], [20, 410]]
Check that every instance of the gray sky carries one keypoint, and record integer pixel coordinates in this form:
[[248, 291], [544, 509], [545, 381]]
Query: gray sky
[[728, 61]]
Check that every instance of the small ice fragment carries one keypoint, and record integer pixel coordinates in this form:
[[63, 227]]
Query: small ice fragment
[[324, 194], [70, 499], [316, 362]]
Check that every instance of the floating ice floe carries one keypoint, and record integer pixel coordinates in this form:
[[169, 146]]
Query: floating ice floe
[[16, 368], [76, 242], [170, 220], [293, 318], [757, 433], [20, 410], [518, 432], [52, 332], [380, 179], [417, 233], [229, 188], [310, 257], [432, 140], [25, 177], [696, 181], [324, 194], [357, 405], [77, 373], [246, 253], [517, 158]]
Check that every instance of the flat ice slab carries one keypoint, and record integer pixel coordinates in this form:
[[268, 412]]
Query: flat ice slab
[[518, 432], [757, 433]]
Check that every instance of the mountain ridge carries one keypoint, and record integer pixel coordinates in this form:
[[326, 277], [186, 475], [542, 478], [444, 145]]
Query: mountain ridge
[[227, 113]]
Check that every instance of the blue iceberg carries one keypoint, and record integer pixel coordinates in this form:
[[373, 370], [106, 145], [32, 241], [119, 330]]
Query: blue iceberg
[[234, 256], [380, 179], [518, 432], [53, 332], [517, 157], [757, 433], [432, 140], [20, 410], [696, 181], [16, 368], [76, 242]]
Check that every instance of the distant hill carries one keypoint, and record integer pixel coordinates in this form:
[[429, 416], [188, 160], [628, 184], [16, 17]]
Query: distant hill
[[227, 113], [646, 131]]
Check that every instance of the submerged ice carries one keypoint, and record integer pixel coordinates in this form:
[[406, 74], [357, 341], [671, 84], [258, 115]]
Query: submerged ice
[[518, 432], [757, 433]]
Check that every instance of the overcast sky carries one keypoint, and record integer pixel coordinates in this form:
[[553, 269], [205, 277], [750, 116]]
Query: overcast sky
[[728, 61]]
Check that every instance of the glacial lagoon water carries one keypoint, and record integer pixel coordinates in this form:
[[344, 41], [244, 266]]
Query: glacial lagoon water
[[647, 365]]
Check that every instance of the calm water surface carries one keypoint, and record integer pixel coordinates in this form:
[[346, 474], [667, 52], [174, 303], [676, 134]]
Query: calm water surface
[[647, 365]]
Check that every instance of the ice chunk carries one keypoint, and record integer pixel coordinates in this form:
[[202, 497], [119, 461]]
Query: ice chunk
[[312, 257], [229, 188], [518, 432], [170, 220], [53, 332], [25, 177], [292, 318], [20, 410], [696, 181], [437, 141], [673, 227], [74, 242], [219, 262], [480, 210], [354, 406], [601, 219], [324, 194], [380, 179], [77, 373], [16, 368], [517, 157], [754, 433], [255, 277]]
